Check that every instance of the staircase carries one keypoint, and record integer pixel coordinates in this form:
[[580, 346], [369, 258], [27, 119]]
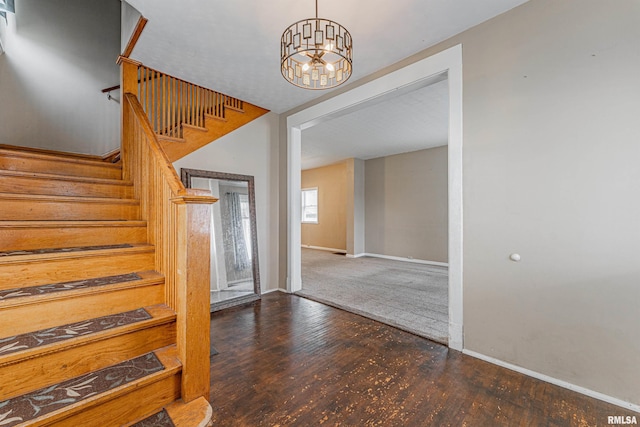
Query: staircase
[[87, 336]]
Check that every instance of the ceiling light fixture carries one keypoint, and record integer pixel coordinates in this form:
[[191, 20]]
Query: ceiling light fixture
[[316, 53]]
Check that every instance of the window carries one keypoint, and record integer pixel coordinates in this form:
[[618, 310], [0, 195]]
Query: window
[[310, 205]]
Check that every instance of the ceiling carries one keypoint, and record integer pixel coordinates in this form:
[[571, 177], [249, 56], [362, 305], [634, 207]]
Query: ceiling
[[234, 46], [413, 121]]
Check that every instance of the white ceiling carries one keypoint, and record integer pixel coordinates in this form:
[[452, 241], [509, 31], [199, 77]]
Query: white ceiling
[[410, 122], [232, 46]]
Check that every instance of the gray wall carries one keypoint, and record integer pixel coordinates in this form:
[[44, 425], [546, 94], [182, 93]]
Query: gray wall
[[59, 54], [406, 205], [551, 107], [251, 150], [550, 171]]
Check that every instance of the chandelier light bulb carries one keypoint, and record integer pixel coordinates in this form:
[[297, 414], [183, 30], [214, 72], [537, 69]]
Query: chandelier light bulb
[[305, 67], [330, 66]]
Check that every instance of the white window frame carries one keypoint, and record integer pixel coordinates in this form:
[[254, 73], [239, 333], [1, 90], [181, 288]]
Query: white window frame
[[302, 198]]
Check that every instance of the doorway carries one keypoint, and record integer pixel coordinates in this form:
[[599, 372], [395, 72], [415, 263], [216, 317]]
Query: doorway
[[412, 77]]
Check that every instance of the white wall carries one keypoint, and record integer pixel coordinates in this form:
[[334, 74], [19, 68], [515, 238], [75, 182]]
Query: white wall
[[251, 150], [59, 54]]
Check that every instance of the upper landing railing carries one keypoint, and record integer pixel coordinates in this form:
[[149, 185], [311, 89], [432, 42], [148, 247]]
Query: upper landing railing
[[170, 102]]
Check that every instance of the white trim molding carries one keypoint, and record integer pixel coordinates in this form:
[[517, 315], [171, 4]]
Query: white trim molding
[[446, 64], [555, 381], [403, 259], [321, 248]]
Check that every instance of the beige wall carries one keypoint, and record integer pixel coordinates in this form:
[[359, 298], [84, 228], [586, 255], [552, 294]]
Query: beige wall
[[406, 205], [331, 230], [550, 171]]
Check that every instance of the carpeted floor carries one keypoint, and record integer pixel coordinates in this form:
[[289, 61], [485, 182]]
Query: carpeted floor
[[412, 297]]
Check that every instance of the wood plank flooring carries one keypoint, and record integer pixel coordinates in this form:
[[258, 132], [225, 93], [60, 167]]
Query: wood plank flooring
[[289, 361]]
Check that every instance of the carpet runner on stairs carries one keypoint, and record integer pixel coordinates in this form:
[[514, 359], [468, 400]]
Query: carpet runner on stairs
[[66, 286], [41, 402], [61, 250], [160, 419], [73, 330]]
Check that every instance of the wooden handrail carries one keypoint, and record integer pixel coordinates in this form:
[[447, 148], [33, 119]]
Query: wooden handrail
[[173, 180], [109, 89], [135, 35], [178, 224]]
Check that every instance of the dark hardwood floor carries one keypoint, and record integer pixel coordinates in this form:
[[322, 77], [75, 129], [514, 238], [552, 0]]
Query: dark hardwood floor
[[291, 361]]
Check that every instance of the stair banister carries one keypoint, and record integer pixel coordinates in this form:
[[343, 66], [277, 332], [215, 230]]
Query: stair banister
[[179, 228]]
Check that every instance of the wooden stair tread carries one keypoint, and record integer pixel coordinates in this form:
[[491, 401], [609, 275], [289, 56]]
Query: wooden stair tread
[[64, 290], [71, 224], [83, 252], [196, 413], [36, 343], [41, 251], [79, 394], [57, 177], [55, 153], [61, 157], [58, 199]]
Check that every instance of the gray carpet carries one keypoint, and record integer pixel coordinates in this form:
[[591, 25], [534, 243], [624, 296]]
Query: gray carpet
[[412, 297]]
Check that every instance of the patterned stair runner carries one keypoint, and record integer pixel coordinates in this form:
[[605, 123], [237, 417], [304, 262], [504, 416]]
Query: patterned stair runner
[[66, 286], [41, 402], [62, 250], [160, 419], [73, 330]]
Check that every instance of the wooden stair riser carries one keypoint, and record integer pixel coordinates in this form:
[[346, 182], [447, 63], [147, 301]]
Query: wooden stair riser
[[64, 311], [10, 183], [47, 369], [131, 401], [58, 166], [120, 410], [26, 236], [18, 209], [55, 270]]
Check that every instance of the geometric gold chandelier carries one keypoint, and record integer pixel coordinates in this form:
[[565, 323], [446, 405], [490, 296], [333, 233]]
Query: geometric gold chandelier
[[316, 53]]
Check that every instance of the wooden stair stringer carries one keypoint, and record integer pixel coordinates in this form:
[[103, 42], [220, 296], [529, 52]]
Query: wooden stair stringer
[[215, 128]]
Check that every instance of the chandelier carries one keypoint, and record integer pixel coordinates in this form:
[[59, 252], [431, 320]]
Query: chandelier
[[316, 53]]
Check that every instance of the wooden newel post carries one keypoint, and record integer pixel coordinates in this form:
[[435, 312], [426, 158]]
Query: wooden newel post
[[193, 222]]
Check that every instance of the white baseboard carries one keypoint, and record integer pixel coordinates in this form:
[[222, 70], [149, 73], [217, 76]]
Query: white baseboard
[[320, 248], [270, 290], [356, 255], [555, 381], [413, 260]]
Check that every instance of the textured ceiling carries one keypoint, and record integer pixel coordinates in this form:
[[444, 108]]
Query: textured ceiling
[[414, 121], [233, 46]]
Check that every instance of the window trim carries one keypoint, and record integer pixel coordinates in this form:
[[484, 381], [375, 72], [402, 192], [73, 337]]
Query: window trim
[[317, 220]]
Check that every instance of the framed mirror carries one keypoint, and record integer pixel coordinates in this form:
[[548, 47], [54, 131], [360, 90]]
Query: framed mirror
[[235, 276]]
